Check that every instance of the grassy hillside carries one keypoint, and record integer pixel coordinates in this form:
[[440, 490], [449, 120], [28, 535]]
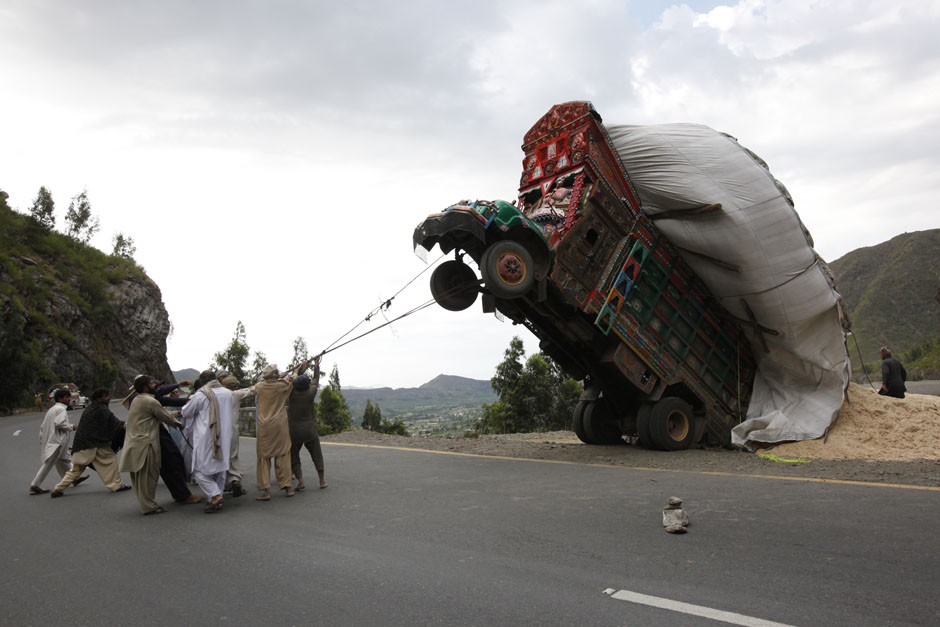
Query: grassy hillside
[[58, 308], [890, 294]]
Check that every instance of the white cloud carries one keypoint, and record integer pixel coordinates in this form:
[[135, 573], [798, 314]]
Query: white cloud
[[290, 149]]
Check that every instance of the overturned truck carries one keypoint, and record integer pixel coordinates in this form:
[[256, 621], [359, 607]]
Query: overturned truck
[[667, 268], [613, 302]]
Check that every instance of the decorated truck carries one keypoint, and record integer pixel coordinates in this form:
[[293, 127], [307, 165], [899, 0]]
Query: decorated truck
[[577, 261]]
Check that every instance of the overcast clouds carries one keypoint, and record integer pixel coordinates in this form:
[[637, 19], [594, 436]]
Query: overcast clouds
[[288, 149]]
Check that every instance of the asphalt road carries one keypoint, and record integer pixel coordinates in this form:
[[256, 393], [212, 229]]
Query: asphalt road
[[409, 537]]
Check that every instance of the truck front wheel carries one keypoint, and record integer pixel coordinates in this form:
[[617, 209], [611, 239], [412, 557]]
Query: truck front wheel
[[671, 424], [454, 285], [508, 269]]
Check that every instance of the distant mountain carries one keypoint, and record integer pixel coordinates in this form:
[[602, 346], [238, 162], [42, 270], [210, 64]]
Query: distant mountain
[[449, 384], [440, 394], [186, 374], [890, 293]]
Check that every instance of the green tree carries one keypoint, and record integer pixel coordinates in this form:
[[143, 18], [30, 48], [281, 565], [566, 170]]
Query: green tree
[[300, 351], [536, 396], [235, 356], [43, 209], [372, 416], [332, 410], [258, 362], [80, 223], [123, 246], [396, 427]]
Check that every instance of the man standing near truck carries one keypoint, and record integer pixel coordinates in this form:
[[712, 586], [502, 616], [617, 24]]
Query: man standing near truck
[[893, 375]]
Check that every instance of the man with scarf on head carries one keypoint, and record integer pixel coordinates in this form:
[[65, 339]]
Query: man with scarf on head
[[208, 417], [273, 440]]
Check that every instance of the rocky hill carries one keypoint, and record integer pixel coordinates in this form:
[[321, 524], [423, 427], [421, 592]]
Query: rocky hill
[[890, 293], [70, 313]]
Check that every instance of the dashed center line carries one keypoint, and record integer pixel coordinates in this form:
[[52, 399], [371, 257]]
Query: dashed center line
[[694, 610]]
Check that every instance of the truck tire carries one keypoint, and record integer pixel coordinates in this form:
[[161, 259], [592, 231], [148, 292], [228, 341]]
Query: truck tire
[[577, 421], [454, 285], [600, 425], [671, 424], [508, 269], [643, 426]]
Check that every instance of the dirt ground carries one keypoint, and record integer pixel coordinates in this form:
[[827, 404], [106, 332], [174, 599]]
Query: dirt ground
[[905, 448]]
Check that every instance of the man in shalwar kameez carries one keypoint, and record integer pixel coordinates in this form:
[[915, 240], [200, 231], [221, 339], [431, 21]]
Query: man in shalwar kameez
[[208, 417], [54, 441], [233, 481], [273, 438], [141, 456]]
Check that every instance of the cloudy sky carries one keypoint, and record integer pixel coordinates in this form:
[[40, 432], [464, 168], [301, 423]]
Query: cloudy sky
[[271, 159]]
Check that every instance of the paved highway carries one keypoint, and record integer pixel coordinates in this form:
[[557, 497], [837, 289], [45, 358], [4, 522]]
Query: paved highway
[[408, 537]]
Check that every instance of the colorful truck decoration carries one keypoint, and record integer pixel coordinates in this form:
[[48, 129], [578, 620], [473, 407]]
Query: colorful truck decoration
[[576, 261]]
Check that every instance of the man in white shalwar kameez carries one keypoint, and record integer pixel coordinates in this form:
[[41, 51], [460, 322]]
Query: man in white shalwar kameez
[[209, 423], [54, 435]]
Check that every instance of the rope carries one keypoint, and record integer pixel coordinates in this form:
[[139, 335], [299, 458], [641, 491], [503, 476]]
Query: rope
[[862, 360], [384, 306]]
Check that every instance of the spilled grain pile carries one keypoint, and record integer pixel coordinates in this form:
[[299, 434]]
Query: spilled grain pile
[[877, 427]]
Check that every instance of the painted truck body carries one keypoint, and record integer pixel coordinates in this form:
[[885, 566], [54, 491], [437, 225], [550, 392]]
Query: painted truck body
[[578, 263]]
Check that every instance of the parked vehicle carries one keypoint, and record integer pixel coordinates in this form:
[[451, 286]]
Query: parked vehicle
[[78, 401], [576, 261]]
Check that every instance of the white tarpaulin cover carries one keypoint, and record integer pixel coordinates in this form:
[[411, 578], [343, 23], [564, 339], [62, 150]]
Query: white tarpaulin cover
[[800, 383]]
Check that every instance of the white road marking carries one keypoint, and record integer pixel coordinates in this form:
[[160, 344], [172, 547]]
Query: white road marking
[[688, 608], [17, 432]]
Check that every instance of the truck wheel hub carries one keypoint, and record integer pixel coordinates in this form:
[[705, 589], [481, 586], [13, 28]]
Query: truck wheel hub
[[677, 425], [511, 268]]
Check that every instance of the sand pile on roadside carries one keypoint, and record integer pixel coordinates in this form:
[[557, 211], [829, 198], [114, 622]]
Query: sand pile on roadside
[[877, 428]]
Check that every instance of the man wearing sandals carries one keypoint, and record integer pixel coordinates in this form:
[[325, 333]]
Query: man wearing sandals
[[273, 439], [208, 417], [92, 445], [141, 457], [54, 441]]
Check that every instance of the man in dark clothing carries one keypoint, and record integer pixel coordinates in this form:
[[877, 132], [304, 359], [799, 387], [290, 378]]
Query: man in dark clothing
[[893, 375], [92, 446], [172, 467], [302, 421]]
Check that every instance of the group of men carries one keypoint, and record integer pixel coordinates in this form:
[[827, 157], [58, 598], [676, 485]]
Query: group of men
[[206, 426]]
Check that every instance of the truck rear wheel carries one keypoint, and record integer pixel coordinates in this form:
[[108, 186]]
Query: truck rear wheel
[[577, 421], [600, 425], [643, 426], [454, 285], [508, 269], [671, 424]]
